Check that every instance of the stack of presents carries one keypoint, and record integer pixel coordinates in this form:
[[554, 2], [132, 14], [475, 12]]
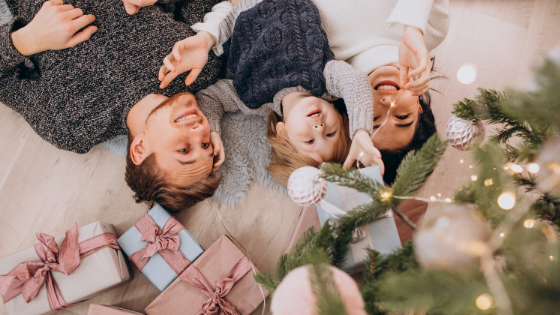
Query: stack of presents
[[51, 275]]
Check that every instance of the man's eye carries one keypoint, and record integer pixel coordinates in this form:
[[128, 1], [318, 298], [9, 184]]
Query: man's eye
[[184, 151], [205, 145], [331, 134], [376, 118], [310, 141], [402, 117]]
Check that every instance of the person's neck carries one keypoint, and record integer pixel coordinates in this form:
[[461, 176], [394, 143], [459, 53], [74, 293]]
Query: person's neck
[[291, 100], [138, 114]]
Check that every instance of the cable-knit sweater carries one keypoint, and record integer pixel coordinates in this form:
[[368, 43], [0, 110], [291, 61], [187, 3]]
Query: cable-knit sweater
[[278, 47], [366, 34], [78, 97]]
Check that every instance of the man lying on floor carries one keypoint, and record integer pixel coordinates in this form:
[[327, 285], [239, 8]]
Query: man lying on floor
[[82, 73]]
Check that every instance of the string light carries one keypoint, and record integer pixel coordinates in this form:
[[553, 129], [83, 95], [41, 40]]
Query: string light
[[385, 195], [470, 166], [461, 161], [506, 200], [551, 257], [502, 234], [448, 200], [432, 198], [529, 223], [484, 302], [439, 195], [533, 168], [506, 168], [489, 182], [474, 178], [516, 168]]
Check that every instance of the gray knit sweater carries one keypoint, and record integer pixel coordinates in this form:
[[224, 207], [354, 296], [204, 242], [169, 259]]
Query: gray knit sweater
[[76, 98], [340, 80]]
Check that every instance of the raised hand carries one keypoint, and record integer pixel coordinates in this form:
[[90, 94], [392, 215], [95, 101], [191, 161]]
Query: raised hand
[[362, 149], [55, 27], [133, 6], [219, 154], [190, 54], [413, 54]]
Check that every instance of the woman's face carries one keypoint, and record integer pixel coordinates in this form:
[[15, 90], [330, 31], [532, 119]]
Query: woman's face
[[403, 118]]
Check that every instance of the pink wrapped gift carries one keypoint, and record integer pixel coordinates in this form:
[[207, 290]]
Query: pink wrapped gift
[[96, 309], [220, 281], [61, 271], [308, 218]]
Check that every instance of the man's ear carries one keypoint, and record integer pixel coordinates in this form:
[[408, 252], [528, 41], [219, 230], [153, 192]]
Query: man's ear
[[138, 150], [280, 128]]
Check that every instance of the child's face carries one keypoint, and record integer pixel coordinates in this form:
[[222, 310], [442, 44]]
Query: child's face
[[312, 125], [179, 135]]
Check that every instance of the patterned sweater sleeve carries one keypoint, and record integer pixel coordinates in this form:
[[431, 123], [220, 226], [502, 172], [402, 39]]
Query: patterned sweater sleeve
[[353, 86], [9, 55]]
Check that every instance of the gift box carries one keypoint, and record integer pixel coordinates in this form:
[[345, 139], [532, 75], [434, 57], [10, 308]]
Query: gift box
[[414, 209], [160, 247], [96, 309], [381, 235], [308, 218], [220, 279], [62, 271]]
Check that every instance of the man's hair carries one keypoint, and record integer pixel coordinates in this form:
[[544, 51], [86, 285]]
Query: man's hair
[[285, 159], [425, 128], [150, 185]]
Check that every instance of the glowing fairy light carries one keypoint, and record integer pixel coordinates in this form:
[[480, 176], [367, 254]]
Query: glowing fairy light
[[506, 168], [551, 257], [448, 200], [466, 74], [489, 182], [470, 166], [439, 195], [529, 223], [533, 168], [502, 234], [516, 168], [506, 200], [461, 161], [432, 198], [385, 195], [484, 302], [474, 178]]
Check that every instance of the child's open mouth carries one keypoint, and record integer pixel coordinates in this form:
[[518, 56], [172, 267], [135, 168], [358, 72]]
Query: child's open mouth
[[314, 114]]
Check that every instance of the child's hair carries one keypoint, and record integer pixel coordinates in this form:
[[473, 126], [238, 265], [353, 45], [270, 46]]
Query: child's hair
[[284, 157], [150, 185]]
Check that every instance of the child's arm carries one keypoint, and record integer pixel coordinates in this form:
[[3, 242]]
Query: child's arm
[[353, 86], [191, 54]]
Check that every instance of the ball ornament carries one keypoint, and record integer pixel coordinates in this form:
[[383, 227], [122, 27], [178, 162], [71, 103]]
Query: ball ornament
[[305, 186], [464, 134]]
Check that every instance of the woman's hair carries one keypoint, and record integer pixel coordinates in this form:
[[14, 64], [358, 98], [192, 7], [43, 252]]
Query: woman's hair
[[150, 185], [284, 157], [425, 128]]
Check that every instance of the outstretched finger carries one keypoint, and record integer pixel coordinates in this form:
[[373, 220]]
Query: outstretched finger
[[192, 76], [381, 165], [168, 78], [82, 36], [349, 162], [422, 66], [82, 21], [404, 75], [168, 63], [55, 2], [177, 51], [162, 72]]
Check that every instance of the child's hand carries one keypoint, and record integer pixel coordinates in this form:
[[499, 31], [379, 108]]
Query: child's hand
[[371, 156], [133, 6], [216, 142], [190, 54]]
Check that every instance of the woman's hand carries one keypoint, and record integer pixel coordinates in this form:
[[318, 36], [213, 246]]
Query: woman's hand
[[54, 27], [219, 154], [413, 54], [133, 6], [362, 144], [190, 54]]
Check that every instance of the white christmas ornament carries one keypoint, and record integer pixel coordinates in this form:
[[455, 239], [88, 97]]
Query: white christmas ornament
[[305, 187], [464, 134]]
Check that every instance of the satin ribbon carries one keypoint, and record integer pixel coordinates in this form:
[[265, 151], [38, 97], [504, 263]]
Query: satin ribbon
[[27, 278], [164, 241], [216, 303]]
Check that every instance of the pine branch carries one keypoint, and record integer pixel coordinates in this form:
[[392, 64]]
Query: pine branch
[[325, 290], [416, 167], [351, 178]]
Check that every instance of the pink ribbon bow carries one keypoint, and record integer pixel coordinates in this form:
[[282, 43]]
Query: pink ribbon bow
[[216, 303], [164, 241], [27, 278]]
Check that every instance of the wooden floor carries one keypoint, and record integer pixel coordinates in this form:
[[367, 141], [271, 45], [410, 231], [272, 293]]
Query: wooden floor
[[43, 189]]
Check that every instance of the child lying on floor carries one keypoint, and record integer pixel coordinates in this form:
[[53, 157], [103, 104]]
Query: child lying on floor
[[283, 64]]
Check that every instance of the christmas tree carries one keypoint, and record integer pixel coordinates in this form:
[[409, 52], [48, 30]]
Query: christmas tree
[[492, 249]]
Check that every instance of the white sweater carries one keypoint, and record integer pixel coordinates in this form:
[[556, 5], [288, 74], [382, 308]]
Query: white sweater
[[364, 33]]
